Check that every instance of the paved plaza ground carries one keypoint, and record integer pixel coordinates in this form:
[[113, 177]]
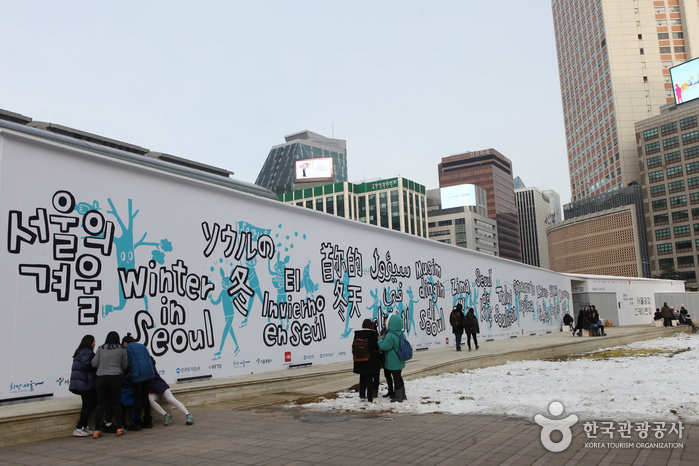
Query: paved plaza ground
[[246, 431]]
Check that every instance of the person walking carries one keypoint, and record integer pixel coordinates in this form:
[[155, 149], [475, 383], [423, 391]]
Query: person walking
[[394, 365], [83, 382], [471, 328], [110, 361], [456, 320], [367, 366]]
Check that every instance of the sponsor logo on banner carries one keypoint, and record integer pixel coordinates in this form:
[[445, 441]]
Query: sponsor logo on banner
[[264, 361], [308, 357], [287, 356], [24, 387]]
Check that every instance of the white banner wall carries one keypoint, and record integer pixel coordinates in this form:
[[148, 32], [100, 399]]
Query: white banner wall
[[217, 282]]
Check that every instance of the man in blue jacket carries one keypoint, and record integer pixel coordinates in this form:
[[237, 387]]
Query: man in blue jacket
[[140, 371]]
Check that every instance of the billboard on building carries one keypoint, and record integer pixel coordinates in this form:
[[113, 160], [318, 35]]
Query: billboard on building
[[320, 169], [458, 196], [685, 81]]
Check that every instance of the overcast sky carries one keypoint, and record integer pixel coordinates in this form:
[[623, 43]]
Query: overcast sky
[[221, 82]]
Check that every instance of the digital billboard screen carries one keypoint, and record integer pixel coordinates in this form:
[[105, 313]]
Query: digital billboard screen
[[458, 196], [320, 169], [685, 81]]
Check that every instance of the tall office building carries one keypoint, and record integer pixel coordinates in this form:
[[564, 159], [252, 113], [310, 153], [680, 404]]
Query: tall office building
[[668, 146], [300, 159], [457, 215], [534, 209], [613, 59], [492, 171]]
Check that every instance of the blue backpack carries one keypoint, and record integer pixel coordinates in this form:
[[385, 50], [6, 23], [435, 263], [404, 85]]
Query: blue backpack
[[404, 351]]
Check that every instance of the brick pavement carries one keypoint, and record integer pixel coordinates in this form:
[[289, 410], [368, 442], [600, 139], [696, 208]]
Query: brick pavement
[[285, 436]]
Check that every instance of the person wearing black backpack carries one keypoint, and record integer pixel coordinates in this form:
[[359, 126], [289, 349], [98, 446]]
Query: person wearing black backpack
[[394, 365], [456, 320], [365, 354]]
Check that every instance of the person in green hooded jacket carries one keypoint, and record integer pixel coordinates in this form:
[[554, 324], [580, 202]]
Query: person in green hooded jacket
[[389, 344]]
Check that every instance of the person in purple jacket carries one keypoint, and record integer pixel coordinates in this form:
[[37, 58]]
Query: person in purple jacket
[[159, 387], [83, 383]]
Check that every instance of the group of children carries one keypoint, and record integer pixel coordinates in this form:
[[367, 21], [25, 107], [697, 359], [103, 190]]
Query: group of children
[[116, 380]]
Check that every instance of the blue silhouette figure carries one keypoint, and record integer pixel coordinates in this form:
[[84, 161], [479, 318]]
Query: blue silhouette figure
[[228, 312], [411, 308], [254, 284], [307, 283], [126, 252]]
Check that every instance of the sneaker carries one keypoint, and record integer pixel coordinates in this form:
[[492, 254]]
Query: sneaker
[[120, 432], [96, 434], [80, 433], [190, 420], [477, 346], [87, 430], [168, 419]]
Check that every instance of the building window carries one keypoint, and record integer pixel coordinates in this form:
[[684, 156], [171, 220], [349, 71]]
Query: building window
[[658, 190], [669, 143], [663, 36], [652, 148], [673, 157], [691, 152], [660, 204], [665, 248], [669, 128], [692, 167], [679, 49], [660, 22], [661, 219], [665, 50], [681, 231], [681, 216], [663, 233], [685, 261], [674, 172], [654, 161], [372, 209], [666, 64], [650, 134], [655, 176], [340, 205], [683, 246], [687, 123], [666, 263], [675, 186], [678, 35], [690, 137]]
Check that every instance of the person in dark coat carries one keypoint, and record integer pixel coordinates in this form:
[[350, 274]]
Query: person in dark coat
[[568, 320], [141, 372], [367, 370], [667, 315], [83, 382], [580, 323], [471, 328], [456, 320]]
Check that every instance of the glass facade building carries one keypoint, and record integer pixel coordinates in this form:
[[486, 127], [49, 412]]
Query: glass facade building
[[278, 171], [492, 171], [396, 203]]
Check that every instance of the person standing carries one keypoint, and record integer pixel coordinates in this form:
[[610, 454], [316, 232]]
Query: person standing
[[456, 320], [369, 368], [83, 382], [110, 361], [394, 365], [471, 328], [141, 372], [667, 315]]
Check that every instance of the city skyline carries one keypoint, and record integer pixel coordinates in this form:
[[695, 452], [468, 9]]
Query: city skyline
[[405, 83]]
